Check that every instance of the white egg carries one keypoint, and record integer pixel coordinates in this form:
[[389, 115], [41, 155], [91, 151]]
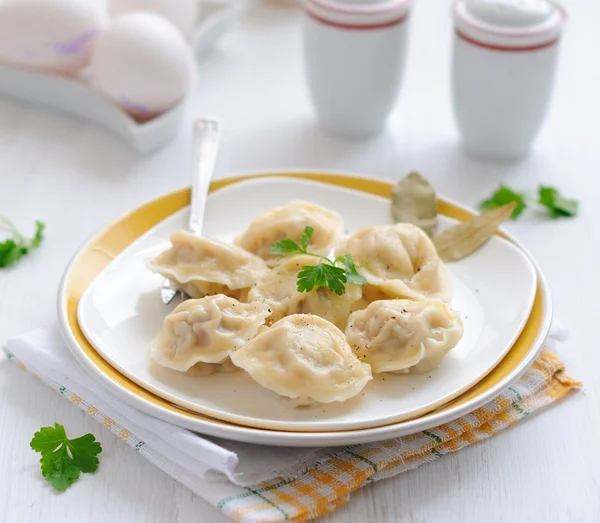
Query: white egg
[[53, 35], [142, 62], [183, 13]]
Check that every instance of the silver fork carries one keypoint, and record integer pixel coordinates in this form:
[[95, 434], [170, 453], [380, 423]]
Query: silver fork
[[205, 146]]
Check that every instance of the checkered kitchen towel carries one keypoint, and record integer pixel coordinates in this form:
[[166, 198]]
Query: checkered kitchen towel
[[254, 483]]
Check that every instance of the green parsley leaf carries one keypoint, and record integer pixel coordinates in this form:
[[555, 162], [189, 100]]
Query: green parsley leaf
[[288, 246], [10, 252], [322, 275], [59, 469], [13, 249], [326, 273], [556, 204], [85, 451], [48, 439], [352, 275], [306, 237], [285, 247], [63, 459], [502, 196]]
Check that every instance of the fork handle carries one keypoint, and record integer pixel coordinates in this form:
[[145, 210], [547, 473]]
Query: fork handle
[[206, 138]]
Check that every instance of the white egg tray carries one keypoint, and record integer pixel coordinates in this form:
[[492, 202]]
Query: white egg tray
[[78, 99]]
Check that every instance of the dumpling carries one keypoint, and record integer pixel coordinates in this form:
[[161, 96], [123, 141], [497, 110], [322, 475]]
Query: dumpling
[[278, 290], [289, 221], [404, 335], [205, 331], [305, 358], [206, 369], [202, 267], [400, 262]]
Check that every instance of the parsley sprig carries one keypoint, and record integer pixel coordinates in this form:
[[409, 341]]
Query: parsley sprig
[[331, 274], [549, 197], [13, 249], [556, 204], [63, 459], [505, 195]]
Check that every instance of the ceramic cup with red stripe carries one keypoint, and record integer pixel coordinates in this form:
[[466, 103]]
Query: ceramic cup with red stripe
[[354, 53], [504, 64]]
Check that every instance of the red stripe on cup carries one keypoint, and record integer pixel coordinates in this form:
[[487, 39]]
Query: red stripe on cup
[[357, 27], [335, 7], [512, 33], [506, 49]]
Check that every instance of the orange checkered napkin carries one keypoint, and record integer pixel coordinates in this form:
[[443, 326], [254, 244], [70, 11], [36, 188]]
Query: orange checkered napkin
[[253, 483]]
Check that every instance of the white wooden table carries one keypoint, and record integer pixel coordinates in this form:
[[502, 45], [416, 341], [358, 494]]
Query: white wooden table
[[77, 179]]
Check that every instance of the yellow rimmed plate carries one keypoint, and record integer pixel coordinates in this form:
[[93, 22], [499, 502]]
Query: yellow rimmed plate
[[106, 246]]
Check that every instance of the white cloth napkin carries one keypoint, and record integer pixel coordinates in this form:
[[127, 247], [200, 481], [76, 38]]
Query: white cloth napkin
[[201, 463], [213, 468]]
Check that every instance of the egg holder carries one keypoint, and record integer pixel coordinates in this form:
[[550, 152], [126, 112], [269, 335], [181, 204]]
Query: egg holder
[[80, 100]]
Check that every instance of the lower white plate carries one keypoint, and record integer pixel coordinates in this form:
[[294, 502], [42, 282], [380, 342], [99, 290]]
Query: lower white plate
[[120, 313]]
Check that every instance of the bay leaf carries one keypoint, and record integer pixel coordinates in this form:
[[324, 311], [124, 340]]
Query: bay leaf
[[462, 239], [414, 201]]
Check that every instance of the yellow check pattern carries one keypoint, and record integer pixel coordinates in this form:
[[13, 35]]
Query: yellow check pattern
[[327, 483]]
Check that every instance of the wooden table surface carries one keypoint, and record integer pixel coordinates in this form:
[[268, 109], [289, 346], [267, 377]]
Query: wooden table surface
[[77, 179]]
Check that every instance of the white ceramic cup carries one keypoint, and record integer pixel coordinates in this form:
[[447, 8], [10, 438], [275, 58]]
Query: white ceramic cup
[[502, 82], [354, 53]]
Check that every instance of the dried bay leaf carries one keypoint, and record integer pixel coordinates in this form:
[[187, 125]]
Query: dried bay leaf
[[414, 201], [462, 239]]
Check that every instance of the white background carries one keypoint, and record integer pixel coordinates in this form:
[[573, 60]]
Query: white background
[[77, 179]]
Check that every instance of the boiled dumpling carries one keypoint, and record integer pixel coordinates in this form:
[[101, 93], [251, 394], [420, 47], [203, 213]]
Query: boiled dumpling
[[205, 331], [404, 335], [201, 267], [289, 221], [206, 369], [305, 358], [400, 262], [278, 290]]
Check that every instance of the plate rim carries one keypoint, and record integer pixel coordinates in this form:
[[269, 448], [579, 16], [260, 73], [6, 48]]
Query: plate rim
[[210, 426], [295, 426]]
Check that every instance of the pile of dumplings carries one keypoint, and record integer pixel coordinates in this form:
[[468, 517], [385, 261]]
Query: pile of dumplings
[[315, 347]]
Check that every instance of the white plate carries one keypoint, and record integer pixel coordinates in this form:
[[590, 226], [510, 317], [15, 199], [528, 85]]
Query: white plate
[[101, 249], [121, 312]]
